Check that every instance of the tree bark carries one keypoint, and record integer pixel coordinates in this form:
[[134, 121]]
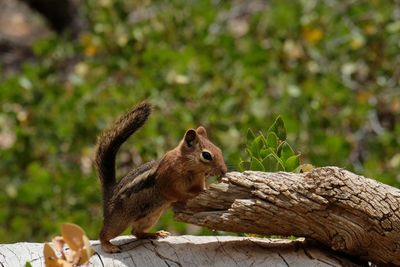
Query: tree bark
[[344, 211], [191, 251]]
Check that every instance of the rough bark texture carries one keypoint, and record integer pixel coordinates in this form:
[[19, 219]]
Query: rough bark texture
[[344, 211], [191, 251]]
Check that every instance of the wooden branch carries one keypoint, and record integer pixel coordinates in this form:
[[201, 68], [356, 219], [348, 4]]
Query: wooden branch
[[344, 211], [191, 251]]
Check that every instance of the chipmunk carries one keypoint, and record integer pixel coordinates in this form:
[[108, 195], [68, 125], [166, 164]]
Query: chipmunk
[[144, 193]]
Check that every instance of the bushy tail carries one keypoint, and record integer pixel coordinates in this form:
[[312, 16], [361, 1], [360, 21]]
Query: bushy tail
[[111, 140]]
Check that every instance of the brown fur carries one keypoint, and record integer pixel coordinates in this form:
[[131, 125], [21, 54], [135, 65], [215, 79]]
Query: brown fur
[[140, 198]]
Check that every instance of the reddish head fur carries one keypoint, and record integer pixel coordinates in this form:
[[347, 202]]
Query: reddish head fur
[[184, 169]]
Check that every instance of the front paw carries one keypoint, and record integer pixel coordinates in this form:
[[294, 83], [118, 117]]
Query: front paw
[[162, 234], [159, 234]]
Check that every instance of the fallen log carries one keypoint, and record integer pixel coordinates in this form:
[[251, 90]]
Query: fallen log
[[191, 251], [342, 210]]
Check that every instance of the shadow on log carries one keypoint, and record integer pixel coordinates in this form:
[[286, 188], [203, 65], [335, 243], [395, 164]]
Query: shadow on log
[[344, 211]]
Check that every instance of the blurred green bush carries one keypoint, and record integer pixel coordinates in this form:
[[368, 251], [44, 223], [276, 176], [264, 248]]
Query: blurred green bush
[[330, 68]]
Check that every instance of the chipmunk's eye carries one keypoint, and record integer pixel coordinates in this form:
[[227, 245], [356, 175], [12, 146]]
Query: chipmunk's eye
[[206, 156]]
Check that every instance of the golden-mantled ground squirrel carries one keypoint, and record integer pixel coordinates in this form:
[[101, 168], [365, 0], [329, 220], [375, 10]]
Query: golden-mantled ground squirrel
[[139, 199]]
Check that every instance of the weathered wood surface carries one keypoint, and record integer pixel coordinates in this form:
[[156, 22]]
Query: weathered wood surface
[[344, 211], [191, 251]]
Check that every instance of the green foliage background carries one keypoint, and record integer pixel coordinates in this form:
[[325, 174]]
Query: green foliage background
[[330, 68]]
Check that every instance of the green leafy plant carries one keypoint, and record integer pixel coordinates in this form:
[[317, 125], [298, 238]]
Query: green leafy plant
[[270, 152]]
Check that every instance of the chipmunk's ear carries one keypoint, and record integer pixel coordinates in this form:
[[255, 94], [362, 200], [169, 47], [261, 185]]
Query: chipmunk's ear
[[202, 131], [190, 137]]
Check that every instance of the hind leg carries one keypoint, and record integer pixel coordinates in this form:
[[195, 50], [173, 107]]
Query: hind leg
[[111, 228]]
